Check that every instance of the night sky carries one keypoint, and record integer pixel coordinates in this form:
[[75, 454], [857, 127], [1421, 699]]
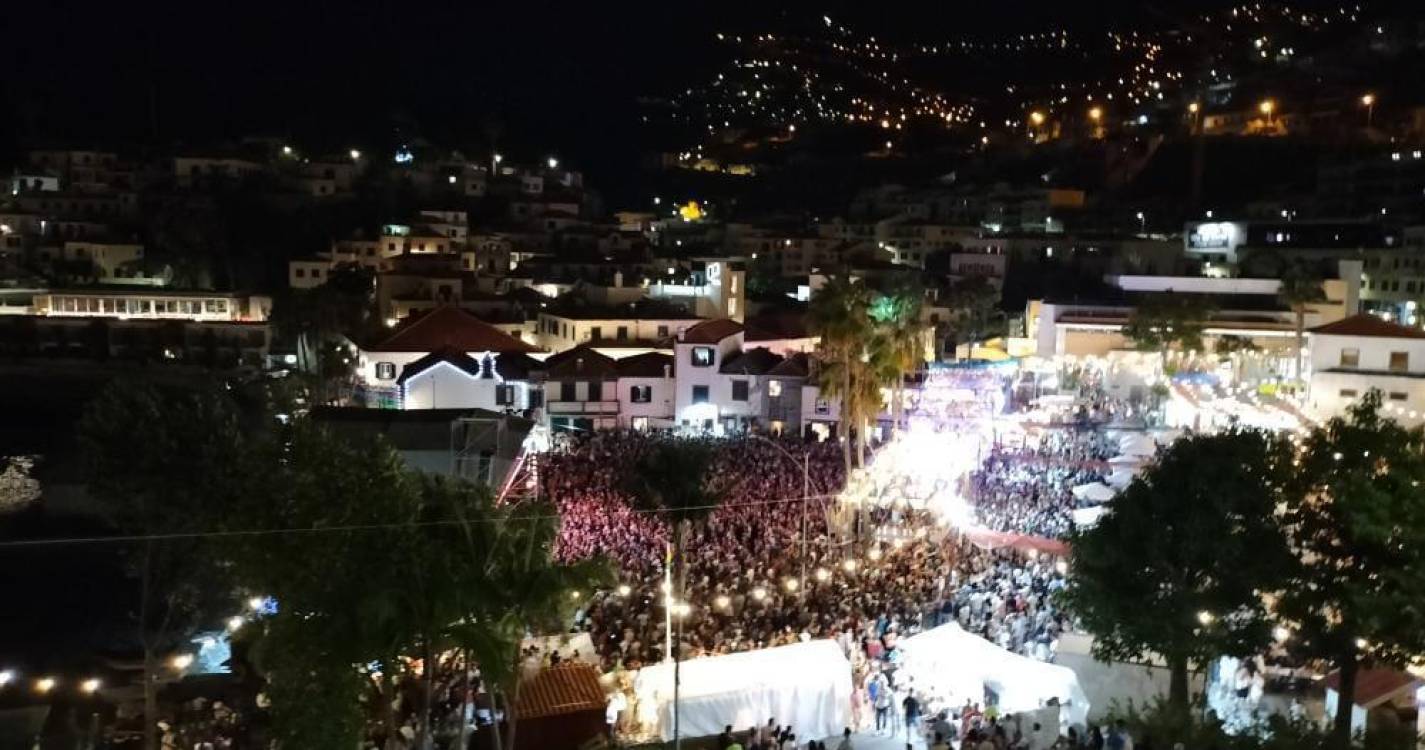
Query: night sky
[[559, 76]]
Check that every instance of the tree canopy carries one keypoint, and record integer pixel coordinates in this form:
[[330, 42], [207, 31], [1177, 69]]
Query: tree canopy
[[1176, 565]]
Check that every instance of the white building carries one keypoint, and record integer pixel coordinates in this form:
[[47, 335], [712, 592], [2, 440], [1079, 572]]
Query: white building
[[429, 344], [1351, 356]]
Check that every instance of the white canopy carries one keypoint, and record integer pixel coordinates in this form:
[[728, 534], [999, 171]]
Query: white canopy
[[1137, 445], [1094, 492], [1086, 518], [1121, 477], [1128, 460], [953, 665], [807, 685]]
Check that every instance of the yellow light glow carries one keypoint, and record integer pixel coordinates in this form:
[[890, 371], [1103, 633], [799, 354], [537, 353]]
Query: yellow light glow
[[791, 584], [181, 661], [1368, 99], [690, 211], [1267, 106], [90, 685], [1037, 118], [722, 602], [1194, 107], [44, 684], [624, 590], [1095, 114]]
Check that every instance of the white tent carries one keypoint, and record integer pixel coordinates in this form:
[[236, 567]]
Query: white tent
[[1128, 460], [1121, 477], [952, 665], [1137, 445], [807, 685], [1087, 518], [1094, 492]]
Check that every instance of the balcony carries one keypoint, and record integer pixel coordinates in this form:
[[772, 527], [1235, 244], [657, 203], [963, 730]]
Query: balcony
[[564, 408]]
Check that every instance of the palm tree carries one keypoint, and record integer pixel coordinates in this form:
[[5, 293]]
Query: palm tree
[[1299, 289], [901, 344], [839, 314], [672, 479]]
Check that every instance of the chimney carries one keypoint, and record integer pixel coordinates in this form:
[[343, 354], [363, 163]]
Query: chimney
[[667, 371]]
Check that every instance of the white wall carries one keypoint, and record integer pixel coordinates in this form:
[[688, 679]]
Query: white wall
[[659, 407]]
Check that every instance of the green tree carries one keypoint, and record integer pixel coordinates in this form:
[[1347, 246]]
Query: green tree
[[167, 462], [1299, 290], [839, 315], [973, 302], [1177, 564], [672, 479], [901, 334], [1171, 321], [1357, 524]]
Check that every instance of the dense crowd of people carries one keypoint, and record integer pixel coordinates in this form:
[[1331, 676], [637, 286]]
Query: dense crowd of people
[[1030, 490]]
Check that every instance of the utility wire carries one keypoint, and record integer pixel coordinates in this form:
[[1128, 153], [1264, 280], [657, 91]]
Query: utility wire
[[127, 538]]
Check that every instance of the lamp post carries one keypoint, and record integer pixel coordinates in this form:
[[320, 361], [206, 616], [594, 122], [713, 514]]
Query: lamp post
[[1267, 107], [1368, 101], [805, 461]]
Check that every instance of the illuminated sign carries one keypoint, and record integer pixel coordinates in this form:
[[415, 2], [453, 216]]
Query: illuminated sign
[[1213, 236]]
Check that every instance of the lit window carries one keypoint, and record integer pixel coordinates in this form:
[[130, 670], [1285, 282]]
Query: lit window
[[774, 388], [386, 370], [702, 356], [1399, 361]]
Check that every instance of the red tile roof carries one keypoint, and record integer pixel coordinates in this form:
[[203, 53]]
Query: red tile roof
[[1369, 326], [711, 331], [449, 327], [1373, 685], [647, 365], [566, 688]]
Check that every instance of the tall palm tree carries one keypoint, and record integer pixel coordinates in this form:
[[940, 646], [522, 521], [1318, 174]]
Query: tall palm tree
[[1299, 289], [901, 333], [839, 314], [672, 479]]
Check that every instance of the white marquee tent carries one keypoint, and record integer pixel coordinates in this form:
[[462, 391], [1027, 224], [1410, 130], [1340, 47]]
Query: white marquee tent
[[1094, 492], [954, 665], [1086, 518], [806, 684], [1121, 478]]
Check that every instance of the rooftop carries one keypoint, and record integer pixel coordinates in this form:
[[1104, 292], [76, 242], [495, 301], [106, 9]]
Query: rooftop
[[711, 331], [1369, 326], [449, 327]]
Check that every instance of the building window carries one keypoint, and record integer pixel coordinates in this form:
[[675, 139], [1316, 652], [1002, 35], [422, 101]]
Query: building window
[[301, 273], [739, 390], [823, 406], [700, 394], [594, 391], [662, 332], [640, 394], [1348, 393], [505, 395], [386, 370], [596, 333], [1350, 357], [1398, 396], [1399, 361], [702, 356], [567, 391], [622, 333], [774, 388], [536, 398]]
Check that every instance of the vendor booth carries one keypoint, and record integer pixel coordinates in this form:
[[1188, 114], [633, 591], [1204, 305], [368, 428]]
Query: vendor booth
[[807, 685], [950, 666]]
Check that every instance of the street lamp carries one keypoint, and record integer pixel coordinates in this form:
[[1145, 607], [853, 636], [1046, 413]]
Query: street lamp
[[1095, 113], [1037, 118], [355, 155], [1368, 101], [1267, 107], [1142, 222], [553, 163], [805, 461]]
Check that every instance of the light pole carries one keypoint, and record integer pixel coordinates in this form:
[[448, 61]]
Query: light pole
[[1368, 101], [805, 461], [1142, 222]]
